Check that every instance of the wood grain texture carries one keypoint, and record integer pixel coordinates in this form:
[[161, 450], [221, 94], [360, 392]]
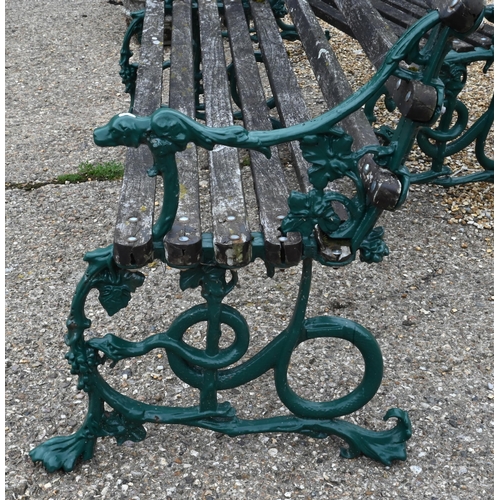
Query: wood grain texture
[[269, 180], [290, 103], [133, 241], [395, 13], [232, 237], [382, 186], [377, 38], [183, 241]]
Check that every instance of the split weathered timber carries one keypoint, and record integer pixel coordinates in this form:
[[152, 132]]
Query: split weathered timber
[[231, 232], [133, 239], [400, 15], [290, 102], [414, 99], [383, 187], [270, 184], [183, 241]]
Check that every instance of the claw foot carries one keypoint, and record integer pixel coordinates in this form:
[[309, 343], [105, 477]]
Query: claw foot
[[62, 452]]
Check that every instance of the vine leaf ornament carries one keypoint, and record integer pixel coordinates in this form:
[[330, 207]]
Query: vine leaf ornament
[[115, 285], [115, 294], [330, 155], [373, 247], [116, 425], [308, 210]]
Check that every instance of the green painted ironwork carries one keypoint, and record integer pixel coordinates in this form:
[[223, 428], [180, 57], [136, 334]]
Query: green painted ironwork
[[328, 149], [450, 134], [207, 370]]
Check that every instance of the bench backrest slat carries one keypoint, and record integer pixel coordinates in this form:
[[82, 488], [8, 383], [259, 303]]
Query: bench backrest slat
[[228, 202], [394, 12], [183, 242], [269, 180], [133, 245], [369, 28], [336, 88]]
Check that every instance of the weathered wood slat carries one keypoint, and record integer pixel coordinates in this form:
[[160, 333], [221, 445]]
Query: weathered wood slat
[[133, 241], [376, 38], [232, 237], [369, 28], [394, 13], [290, 103], [335, 88], [270, 184], [183, 242], [418, 8]]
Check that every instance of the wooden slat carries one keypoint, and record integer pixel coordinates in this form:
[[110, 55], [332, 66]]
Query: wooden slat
[[376, 38], [336, 88], [393, 12], [270, 184], [183, 242], [417, 9], [290, 103], [133, 245], [232, 237], [369, 28]]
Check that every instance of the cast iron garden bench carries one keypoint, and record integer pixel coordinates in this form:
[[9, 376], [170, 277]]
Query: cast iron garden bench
[[420, 73]]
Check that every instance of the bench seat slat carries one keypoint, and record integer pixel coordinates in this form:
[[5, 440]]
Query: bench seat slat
[[183, 242], [133, 240], [269, 180], [228, 202], [290, 103]]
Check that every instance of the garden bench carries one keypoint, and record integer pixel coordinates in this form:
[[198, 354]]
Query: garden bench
[[319, 222]]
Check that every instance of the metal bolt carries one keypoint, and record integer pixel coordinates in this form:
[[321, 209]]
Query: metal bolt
[[398, 84], [282, 238], [407, 96], [443, 110], [183, 218], [231, 217], [453, 5], [337, 252], [235, 237], [133, 219], [366, 168], [131, 239], [183, 238]]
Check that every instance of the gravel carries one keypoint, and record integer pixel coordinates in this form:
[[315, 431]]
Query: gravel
[[429, 304]]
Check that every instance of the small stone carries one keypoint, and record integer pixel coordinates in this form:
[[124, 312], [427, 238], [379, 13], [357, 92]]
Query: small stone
[[20, 487], [490, 386], [273, 452], [416, 469]]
